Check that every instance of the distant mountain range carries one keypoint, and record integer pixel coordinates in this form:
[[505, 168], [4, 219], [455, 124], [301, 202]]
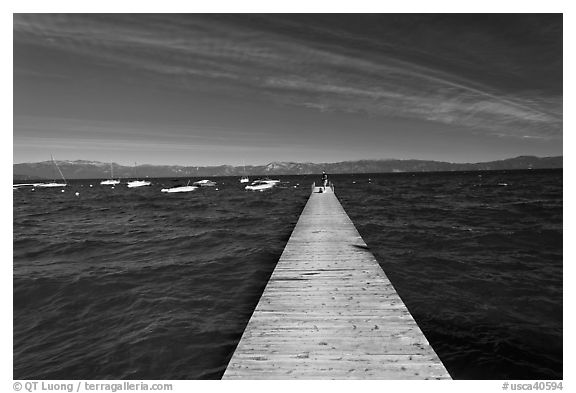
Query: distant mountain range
[[81, 169]]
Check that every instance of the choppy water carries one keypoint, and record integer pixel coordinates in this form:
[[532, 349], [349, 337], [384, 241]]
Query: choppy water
[[135, 284]]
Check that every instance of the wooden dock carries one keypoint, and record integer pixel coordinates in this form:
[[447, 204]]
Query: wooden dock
[[330, 312]]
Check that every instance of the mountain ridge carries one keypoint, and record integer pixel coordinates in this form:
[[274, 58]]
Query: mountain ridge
[[84, 169]]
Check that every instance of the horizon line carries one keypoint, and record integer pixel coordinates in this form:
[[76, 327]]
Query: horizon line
[[291, 162]]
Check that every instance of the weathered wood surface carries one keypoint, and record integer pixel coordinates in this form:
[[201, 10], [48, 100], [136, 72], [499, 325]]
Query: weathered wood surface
[[330, 312]]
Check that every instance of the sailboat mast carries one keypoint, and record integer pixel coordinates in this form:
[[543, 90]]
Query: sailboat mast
[[59, 171]]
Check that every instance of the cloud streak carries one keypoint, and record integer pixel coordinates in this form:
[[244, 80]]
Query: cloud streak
[[327, 74]]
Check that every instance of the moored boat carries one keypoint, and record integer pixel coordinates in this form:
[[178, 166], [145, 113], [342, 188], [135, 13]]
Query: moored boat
[[262, 184], [186, 188], [179, 189], [49, 185], [53, 183], [137, 183], [111, 181], [204, 183]]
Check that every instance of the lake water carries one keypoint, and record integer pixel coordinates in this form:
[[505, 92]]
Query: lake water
[[136, 284]]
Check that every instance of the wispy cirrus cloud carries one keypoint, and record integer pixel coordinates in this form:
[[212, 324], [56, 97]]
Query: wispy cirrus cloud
[[325, 74]]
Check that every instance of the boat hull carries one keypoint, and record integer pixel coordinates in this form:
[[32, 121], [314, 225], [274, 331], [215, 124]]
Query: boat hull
[[261, 187], [138, 183], [204, 183], [49, 185], [24, 185], [109, 182], [179, 189]]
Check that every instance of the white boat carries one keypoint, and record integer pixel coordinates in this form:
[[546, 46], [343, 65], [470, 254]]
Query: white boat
[[186, 188], [18, 185], [53, 183], [138, 183], [111, 181], [261, 185], [179, 189], [204, 183]]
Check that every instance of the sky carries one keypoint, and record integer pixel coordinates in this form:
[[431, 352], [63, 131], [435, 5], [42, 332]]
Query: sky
[[191, 89]]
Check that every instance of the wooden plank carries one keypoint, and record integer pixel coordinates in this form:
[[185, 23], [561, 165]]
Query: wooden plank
[[329, 311]]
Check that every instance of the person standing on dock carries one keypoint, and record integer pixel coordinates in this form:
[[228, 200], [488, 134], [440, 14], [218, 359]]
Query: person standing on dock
[[324, 181]]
